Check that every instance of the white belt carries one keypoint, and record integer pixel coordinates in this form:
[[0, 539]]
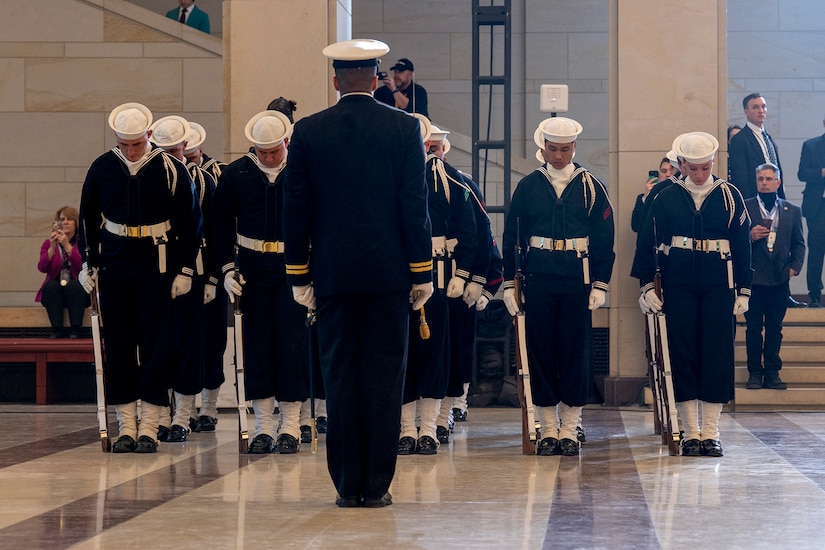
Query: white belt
[[443, 245], [138, 231], [718, 246], [548, 243], [276, 247]]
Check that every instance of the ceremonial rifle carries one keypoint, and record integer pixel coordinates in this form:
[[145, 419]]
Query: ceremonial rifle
[[94, 318], [240, 388], [530, 427], [670, 428]]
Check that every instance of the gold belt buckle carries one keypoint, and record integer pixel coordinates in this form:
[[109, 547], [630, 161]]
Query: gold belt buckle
[[270, 246], [132, 231], [558, 244]]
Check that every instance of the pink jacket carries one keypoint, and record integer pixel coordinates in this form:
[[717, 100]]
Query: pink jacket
[[52, 267]]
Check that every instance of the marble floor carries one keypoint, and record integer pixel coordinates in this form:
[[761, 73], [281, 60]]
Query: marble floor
[[59, 490]]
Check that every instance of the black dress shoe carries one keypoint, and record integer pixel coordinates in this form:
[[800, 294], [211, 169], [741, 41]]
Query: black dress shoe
[[146, 444], [204, 424], [773, 382], [321, 424], [163, 433], [549, 446], [815, 303], [287, 445], [754, 381], [177, 434], [711, 447], [569, 447], [124, 444], [442, 434], [379, 502], [459, 415], [691, 447], [262, 445], [580, 434], [347, 502], [306, 434], [426, 445], [406, 445], [794, 303]]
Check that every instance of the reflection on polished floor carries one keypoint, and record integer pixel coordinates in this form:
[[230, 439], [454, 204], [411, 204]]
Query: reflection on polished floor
[[58, 490]]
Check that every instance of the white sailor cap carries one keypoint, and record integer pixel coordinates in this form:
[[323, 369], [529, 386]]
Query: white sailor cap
[[695, 147], [195, 137], [540, 157], [426, 126], [437, 134], [130, 120], [268, 129], [557, 130], [169, 131], [673, 158], [445, 147], [358, 52]]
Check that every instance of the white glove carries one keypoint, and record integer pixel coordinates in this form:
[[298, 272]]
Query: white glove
[[740, 305], [650, 303], [472, 292], [419, 294], [233, 287], [482, 302], [455, 287], [510, 301], [181, 285], [209, 293], [597, 299], [87, 280], [304, 295]]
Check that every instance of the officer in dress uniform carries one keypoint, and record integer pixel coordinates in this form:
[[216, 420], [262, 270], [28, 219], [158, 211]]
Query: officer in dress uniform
[[698, 229], [142, 226], [561, 217], [215, 298], [248, 212], [356, 188], [454, 242]]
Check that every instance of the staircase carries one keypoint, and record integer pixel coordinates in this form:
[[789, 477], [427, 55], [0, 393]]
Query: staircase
[[803, 366]]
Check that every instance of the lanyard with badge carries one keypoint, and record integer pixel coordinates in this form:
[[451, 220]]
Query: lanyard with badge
[[773, 216]]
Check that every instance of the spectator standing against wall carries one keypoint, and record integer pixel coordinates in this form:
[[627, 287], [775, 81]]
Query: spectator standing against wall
[[400, 90], [812, 172]]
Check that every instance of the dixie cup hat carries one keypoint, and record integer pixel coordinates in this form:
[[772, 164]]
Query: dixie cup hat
[[437, 134], [268, 129], [130, 120], [195, 137], [696, 147], [426, 126], [169, 131], [557, 130]]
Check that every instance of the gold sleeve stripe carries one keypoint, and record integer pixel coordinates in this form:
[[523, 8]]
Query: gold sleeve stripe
[[297, 269], [420, 267]]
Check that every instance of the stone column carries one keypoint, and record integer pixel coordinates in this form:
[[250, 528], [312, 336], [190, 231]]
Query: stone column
[[273, 48], [667, 76]]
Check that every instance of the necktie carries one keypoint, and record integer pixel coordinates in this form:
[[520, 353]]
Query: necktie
[[769, 146], [183, 15]]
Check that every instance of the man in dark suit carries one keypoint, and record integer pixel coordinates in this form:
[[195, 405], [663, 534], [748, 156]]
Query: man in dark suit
[[356, 187], [812, 172], [777, 253], [189, 14], [752, 147]]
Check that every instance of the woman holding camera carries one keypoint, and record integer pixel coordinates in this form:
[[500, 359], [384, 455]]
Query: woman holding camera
[[60, 261]]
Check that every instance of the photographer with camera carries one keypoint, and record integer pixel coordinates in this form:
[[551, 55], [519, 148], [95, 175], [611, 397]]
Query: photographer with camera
[[60, 261], [401, 91]]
